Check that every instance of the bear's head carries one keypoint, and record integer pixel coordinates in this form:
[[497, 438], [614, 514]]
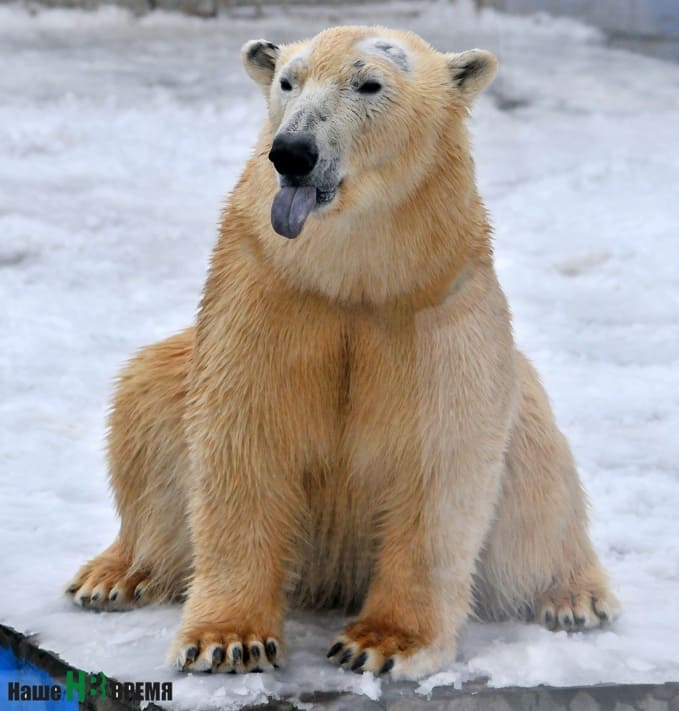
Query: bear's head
[[359, 117]]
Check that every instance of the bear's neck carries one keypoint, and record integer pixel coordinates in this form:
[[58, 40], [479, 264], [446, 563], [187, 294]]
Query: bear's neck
[[409, 253], [443, 224]]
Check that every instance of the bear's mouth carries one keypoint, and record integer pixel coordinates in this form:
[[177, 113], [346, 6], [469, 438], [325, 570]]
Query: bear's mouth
[[293, 204]]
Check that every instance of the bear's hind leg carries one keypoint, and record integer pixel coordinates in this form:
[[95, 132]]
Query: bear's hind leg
[[150, 560], [539, 562]]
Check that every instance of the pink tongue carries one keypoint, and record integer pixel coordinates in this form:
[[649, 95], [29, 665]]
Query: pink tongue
[[290, 208]]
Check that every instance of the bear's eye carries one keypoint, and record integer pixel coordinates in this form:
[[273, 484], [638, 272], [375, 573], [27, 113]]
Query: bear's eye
[[369, 87], [286, 85]]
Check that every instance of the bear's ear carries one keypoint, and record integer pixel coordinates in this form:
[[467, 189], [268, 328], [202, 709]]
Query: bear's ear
[[259, 59], [472, 71]]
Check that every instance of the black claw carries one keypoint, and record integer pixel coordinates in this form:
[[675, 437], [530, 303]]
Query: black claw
[[271, 649], [255, 652], [138, 593], [600, 614], [360, 661], [95, 597], [85, 600], [568, 621], [71, 589], [237, 654], [113, 596], [191, 655], [549, 619], [256, 670], [345, 657], [580, 621], [217, 656], [334, 649], [387, 666]]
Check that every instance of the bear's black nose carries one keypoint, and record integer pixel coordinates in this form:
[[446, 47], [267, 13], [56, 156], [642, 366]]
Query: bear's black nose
[[294, 153]]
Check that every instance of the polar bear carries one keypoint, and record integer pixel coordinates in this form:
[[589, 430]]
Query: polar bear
[[349, 422]]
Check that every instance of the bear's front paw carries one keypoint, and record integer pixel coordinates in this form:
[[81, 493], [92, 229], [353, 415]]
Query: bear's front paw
[[226, 648], [380, 648]]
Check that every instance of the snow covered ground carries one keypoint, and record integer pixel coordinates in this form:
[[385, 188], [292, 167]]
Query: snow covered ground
[[119, 138]]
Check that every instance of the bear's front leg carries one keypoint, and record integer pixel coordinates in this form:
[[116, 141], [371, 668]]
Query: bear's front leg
[[259, 416], [432, 400], [244, 509], [431, 536]]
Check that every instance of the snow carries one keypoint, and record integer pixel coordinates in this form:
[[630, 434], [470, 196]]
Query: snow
[[119, 138]]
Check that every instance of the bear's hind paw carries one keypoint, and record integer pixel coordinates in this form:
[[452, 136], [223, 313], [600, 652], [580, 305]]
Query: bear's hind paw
[[575, 610], [107, 583]]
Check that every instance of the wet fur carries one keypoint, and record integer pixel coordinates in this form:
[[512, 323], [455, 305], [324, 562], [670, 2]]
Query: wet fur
[[349, 422]]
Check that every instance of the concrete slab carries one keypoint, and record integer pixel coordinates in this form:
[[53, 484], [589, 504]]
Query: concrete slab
[[396, 697]]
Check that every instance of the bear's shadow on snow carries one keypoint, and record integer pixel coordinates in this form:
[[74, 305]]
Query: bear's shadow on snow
[[16, 258]]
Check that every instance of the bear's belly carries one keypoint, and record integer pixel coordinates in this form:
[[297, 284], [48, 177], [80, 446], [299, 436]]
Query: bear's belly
[[337, 555]]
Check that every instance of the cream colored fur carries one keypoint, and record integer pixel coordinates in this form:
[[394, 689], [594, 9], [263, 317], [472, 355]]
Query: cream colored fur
[[349, 422]]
